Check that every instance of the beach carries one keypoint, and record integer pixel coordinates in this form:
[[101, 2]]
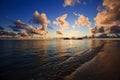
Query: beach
[[104, 66], [60, 59]]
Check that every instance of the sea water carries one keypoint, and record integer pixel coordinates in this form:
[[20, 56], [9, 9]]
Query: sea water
[[44, 59]]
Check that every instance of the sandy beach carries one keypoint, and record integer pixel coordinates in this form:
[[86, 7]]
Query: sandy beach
[[104, 66]]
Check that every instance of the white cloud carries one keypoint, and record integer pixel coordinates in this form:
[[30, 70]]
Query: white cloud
[[82, 20], [61, 22]]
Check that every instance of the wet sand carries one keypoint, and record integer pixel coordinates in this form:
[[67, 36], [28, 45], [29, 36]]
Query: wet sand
[[104, 66]]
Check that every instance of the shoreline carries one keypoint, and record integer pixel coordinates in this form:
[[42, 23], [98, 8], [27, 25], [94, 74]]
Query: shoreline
[[105, 39], [61, 39], [104, 66]]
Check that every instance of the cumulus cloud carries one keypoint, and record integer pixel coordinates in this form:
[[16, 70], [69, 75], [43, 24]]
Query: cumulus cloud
[[110, 15], [40, 19], [24, 29], [38, 30], [23, 33], [20, 28], [82, 20], [61, 22], [70, 2]]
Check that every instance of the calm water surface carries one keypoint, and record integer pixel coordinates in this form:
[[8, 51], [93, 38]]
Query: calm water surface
[[44, 60]]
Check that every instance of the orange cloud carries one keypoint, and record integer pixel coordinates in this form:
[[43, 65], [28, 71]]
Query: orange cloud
[[40, 19], [70, 2], [82, 20], [110, 15], [61, 22]]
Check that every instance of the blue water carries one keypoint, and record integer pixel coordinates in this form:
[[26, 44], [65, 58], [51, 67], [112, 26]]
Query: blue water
[[45, 59]]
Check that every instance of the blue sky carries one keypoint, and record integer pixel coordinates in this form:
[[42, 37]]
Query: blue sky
[[24, 10]]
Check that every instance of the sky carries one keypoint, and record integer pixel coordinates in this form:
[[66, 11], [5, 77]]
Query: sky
[[61, 17]]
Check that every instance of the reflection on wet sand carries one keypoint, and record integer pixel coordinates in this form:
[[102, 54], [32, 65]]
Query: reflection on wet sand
[[104, 66], [109, 64]]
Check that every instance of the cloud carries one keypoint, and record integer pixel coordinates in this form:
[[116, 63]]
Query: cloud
[[1, 28], [114, 29], [59, 32], [110, 15], [18, 25], [15, 28], [24, 33], [104, 30], [82, 20], [70, 2], [7, 33], [22, 29], [61, 22], [40, 19], [93, 31], [38, 30], [100, 30], [96, 30]]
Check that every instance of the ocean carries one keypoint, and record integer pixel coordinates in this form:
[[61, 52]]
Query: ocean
[[49, 59]]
